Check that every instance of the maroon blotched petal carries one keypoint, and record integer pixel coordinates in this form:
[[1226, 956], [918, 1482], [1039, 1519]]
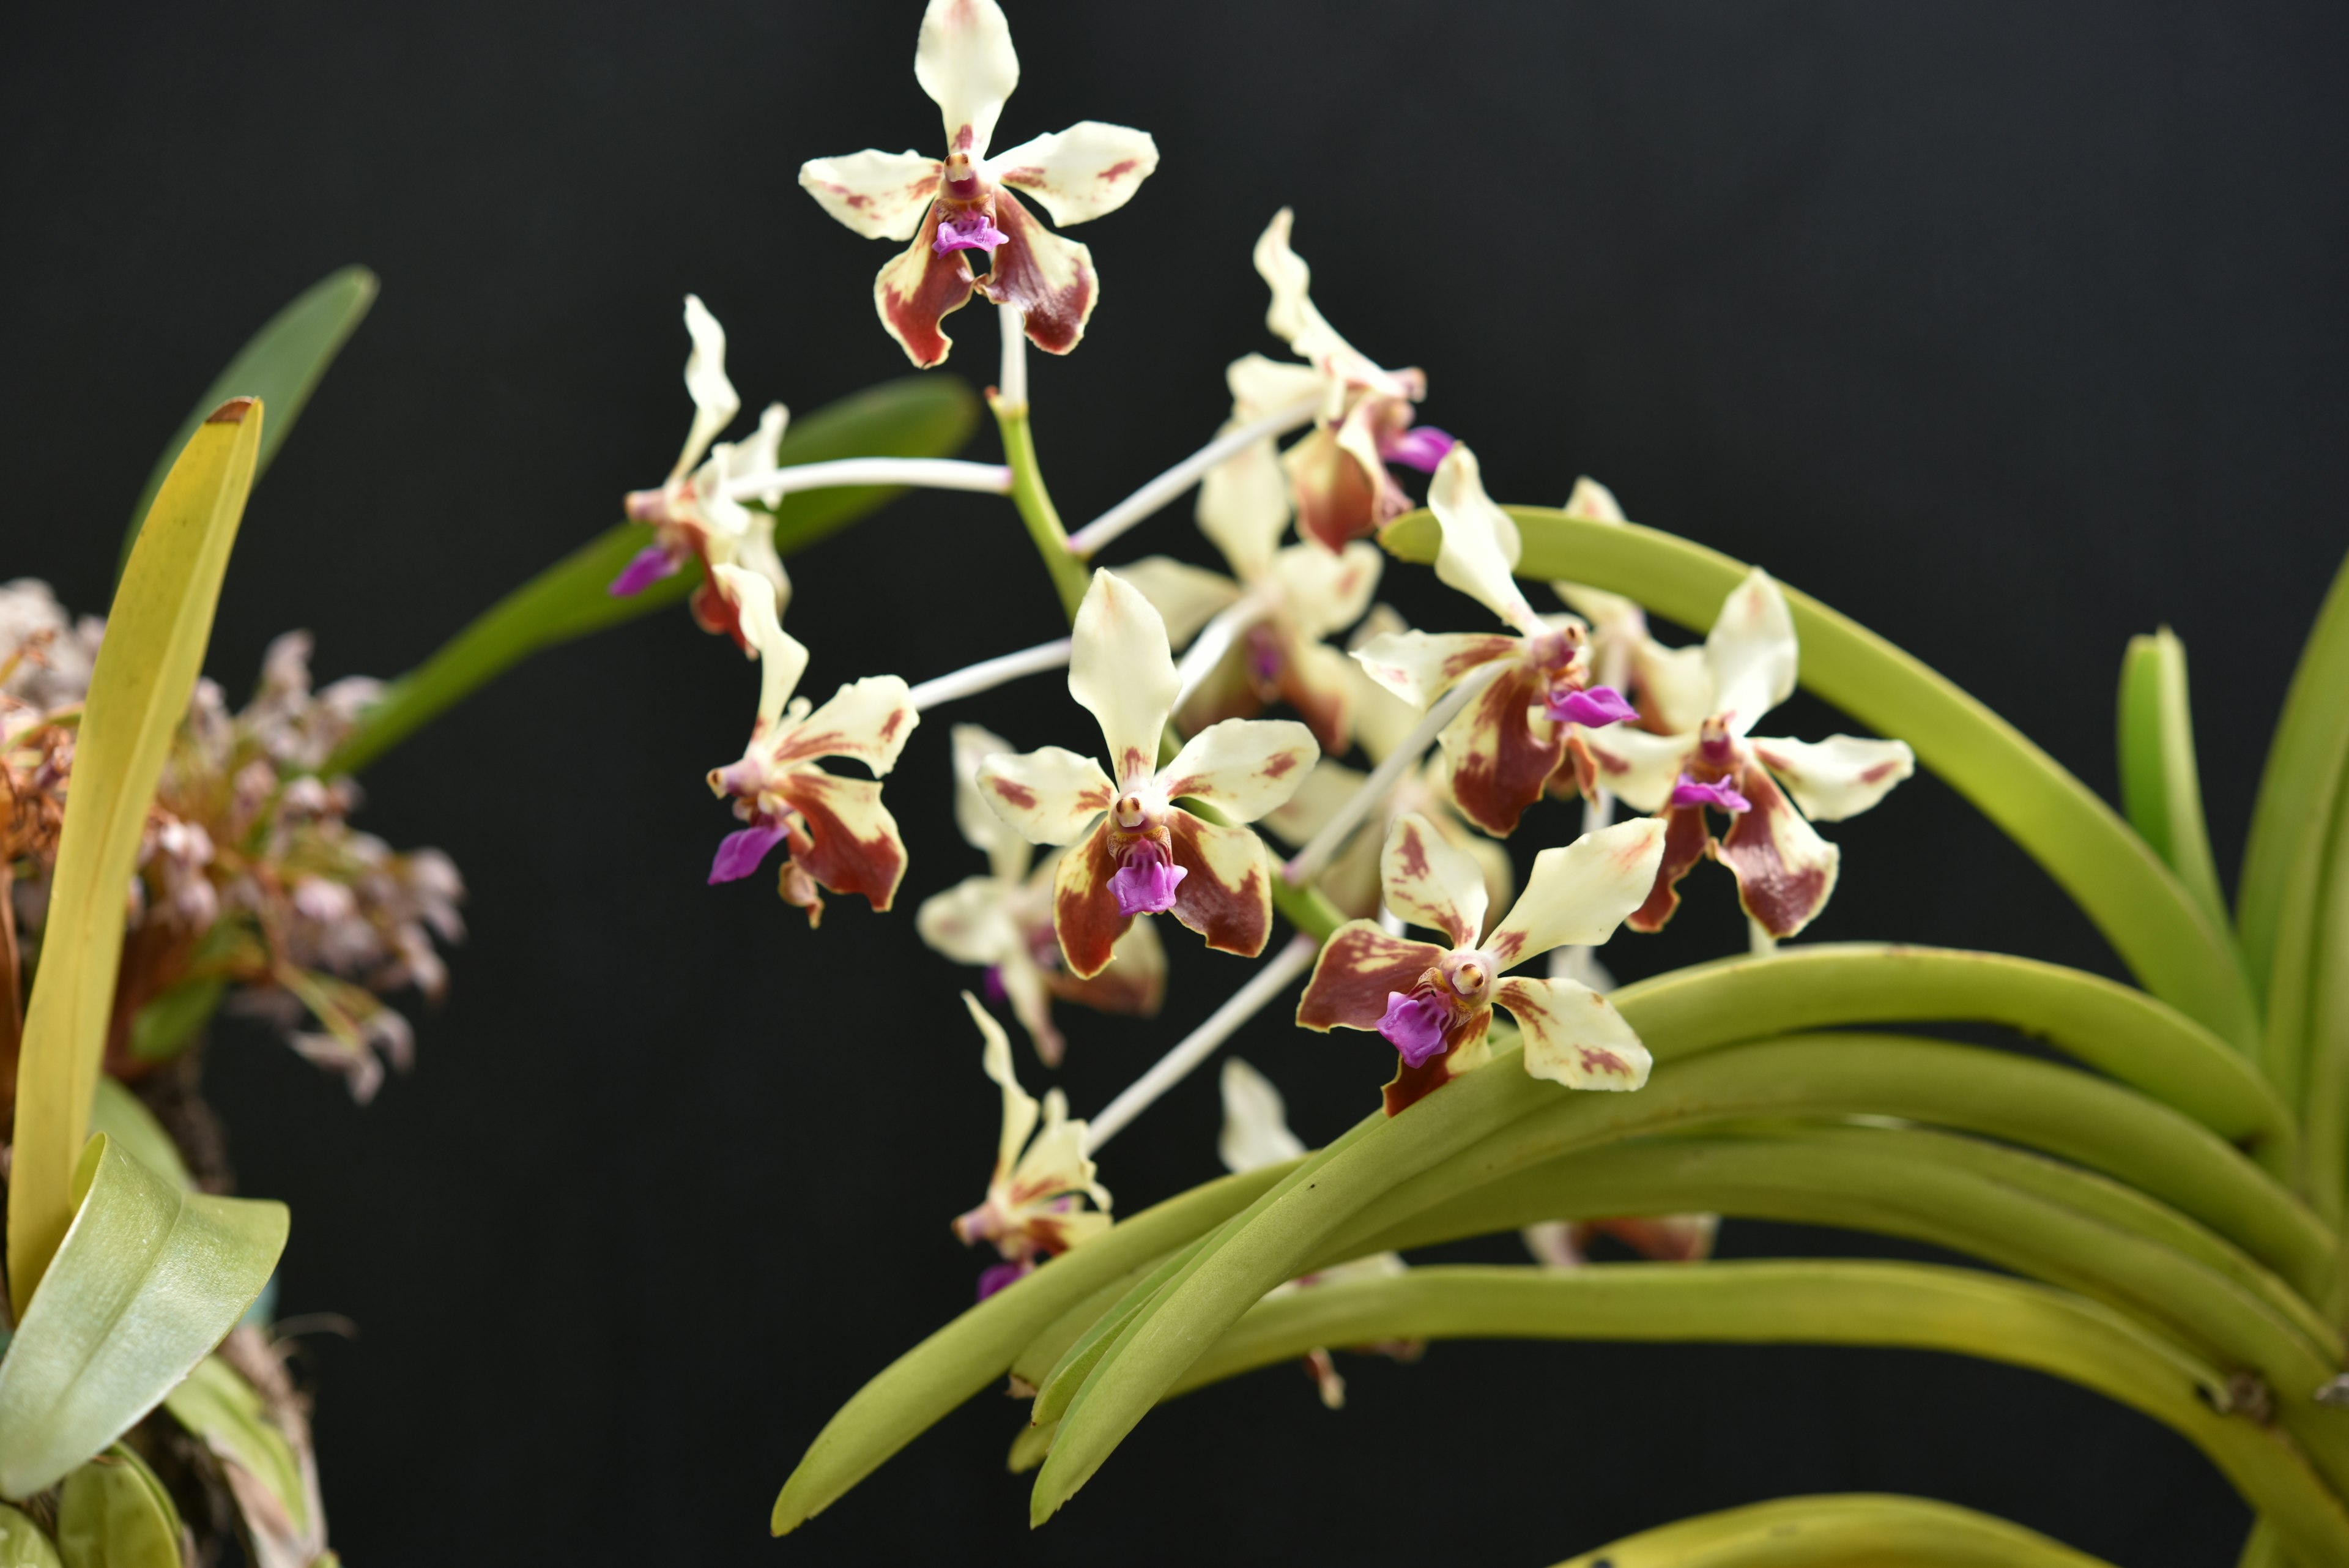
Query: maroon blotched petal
[[850, 844], [1325, 705], [1684, 845], [1359, 967], [1412, 1084], [1785, 870], [920, 288], [740, 853], [1227, 895], [715, 612], [1336, 501], [1503, 749], [1047, 279], [1085, 914]]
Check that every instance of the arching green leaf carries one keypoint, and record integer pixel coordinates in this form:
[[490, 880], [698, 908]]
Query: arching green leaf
[[1836, 1532], [2161, 786]]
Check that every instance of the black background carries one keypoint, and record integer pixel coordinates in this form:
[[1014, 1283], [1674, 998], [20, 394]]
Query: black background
[[2010, 329]]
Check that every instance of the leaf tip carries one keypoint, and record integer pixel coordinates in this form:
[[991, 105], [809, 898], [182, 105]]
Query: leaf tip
[[233, 412]]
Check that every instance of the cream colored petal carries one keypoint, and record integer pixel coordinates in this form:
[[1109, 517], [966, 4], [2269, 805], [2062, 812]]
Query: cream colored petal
[[758, 452], [967, 64], [881, 195], [1082, 172], [867, 720], [1050, 795], [1419, 667], [1185, 595], [1674, 684], [968, 922], [1019, 1105], [1840, 776], [1292, 318], [1752, 652], [1581, 966], [1242, 767], [1580, 892], [1574, 1036], [1381, 719], [715, 402], [1056, 1161], [1120, 672], [1324, 592], [1606, 612], [1030, 993], [1429, 882], [782, 657], [1480, 547], [1256, 1121], [1259, 385], [1594, 500], [1005, 847], [1638, 766], [1243, 507], [1326, 789]]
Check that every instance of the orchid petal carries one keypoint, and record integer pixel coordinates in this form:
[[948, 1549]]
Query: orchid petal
[[759, 452], [1419, 667], [1242, 767], [715, 402], [968, 922], [918, 288], [1292, 318], [646, 568], [1256, 1121], [1259, 385], [1047, 279], [1580, 892], [866, 721], [1752, 652], [1320, 683], [1338, 498], [1243, 506], [1594, 500], [1430, 883], [1361, 965], [1079, 173], [1501, 749], [1019, 1105], [1840, 776], [740, 853], [851, 844], [1675, 684], [1120, 672], [1638, 766], [1382, 721], [1085, 913], [1326, 790], [1465, 1049], [782, 657], [1186, 596], [1056, 1161], [1324, 592], [1785, 871], [1134, 983], [1030, 993], [1005, 847], [881, 195], [1685, 843], [1225, 895], [966, 63], [1050, 796], [1480, 545], [1574, 1036]]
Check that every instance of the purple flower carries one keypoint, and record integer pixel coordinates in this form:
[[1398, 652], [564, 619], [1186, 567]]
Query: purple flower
[[651, 565], [739, 854], [968, 231], [1722, 796], [1003, 1274], [1420, 446], [1413, 1025], [1145, 884], [1594, 708]]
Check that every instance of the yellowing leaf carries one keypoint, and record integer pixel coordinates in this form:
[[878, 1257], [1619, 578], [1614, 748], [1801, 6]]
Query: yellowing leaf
[[155, 637], [116, 1514], [22, 1545]]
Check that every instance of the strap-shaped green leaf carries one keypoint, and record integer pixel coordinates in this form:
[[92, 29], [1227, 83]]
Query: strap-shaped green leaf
[[2297, 786], [2161, 784], [22, 1545], [139, 690], [115, 1513], [132, 1127], [1837, 1531], [281, 364], [2168, 940], [220, 1406], [150, 1279], [916, 416]]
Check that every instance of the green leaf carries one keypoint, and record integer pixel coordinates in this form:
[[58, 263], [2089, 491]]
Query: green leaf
[[114, 1513], [916, 416], [1835, 1532], [139, 691], [164, 1027], [219, 1406], [132, 1127], [2161, 787], [281, 366], [149, 1281], [2297, 787], [2167, 938], [22, 1545]]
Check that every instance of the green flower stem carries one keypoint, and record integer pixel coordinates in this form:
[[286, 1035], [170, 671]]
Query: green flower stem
[[2116, 1029], [2163, 935], [1907, 1305], [1835, 1532], [2302, 778], [1070, 575], [917, 1389]]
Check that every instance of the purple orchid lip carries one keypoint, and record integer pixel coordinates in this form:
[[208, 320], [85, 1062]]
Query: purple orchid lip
[[1420, 446], [1413, 1025], [651, 566], [993, 985], [970, 231], [739, 853], [1594, 708], [1722, 796], [1003, 1274], [1145, 884]]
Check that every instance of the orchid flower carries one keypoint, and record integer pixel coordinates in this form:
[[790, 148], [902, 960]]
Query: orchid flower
[[1516, 732], [1256, 1134], [837, 833], [1660, 1238], [1337, 473], [1785, 870], [1260, 630], [1004, 920], [1434, 1004], [1133, 850], [691, 515], [1669, 685], [965, 62], [1035, 1205]]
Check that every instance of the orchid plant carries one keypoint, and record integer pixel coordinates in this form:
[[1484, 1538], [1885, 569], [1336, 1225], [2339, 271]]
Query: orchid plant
[[2161, 1217]]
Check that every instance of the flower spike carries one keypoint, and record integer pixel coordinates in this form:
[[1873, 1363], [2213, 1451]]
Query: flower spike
[[1785, 870], [949, 207], [1036, 1196], [692, 515], [1433, 1003], [1133, 851], [837, 833]]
